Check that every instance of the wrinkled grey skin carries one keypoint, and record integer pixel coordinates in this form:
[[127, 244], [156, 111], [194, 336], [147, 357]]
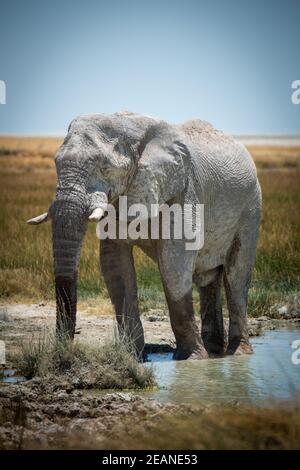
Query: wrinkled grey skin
[[150, 161]]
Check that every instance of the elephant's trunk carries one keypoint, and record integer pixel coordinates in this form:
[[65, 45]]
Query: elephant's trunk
[[66, 305], [68, 229]]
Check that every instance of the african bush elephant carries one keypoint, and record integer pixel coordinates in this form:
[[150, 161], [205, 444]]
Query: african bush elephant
[[153, 162]]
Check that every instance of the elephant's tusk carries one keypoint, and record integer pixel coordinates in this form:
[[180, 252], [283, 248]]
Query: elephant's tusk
[[39, 219], [96, 215]]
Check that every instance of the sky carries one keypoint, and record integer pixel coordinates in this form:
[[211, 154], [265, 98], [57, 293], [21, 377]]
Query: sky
[[229, 62]]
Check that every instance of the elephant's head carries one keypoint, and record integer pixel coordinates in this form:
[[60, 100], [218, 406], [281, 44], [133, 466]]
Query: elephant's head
[[97, 162]]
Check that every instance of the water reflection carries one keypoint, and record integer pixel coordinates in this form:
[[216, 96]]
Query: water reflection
[[262, 378]]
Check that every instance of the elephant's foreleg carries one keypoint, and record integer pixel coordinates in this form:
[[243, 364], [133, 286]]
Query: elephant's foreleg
[[212, 330], [176, 268], [118, 270], [185, 328]]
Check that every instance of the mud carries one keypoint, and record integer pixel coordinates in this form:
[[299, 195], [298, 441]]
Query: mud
[[41, 417], [54, 414]]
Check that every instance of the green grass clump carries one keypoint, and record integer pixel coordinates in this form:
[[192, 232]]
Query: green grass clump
[[112, 365]]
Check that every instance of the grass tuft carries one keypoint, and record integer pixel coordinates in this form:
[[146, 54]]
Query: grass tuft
[[112, 365]]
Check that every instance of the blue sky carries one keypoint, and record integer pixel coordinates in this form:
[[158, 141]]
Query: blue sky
[[230, 62]]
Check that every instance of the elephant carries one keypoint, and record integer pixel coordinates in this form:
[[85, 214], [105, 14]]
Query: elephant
[[153, 162]]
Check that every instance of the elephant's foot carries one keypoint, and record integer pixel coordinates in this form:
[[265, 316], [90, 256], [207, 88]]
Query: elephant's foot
[[214, 344], [239, 347], [195, 353]]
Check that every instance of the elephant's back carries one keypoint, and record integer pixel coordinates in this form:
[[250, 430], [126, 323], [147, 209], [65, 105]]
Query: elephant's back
[[225, 181], [222, 163]]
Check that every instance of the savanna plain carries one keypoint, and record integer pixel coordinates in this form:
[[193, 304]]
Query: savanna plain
[[72, 411]]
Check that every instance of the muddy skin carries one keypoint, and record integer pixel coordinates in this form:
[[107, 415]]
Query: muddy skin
[[239, 347], [66, 295], [117, 265], [212, 331], [188, 340]]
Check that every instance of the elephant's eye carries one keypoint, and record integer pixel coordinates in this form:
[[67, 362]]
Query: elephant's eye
[[105, 170]]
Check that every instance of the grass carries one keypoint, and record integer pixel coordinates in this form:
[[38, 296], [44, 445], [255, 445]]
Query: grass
[[277, 268], [27, 179], [112, 365], [218, 429], [268, 157]]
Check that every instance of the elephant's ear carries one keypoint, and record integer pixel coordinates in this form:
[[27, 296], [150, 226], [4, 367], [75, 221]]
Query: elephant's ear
[[162, 168]]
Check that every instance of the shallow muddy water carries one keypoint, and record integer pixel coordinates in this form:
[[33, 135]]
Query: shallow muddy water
[[10, 376], [265, 377]]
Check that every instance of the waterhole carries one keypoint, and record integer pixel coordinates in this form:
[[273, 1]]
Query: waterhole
[[267, 376]]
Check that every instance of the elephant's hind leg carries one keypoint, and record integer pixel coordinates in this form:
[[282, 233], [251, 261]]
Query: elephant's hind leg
[[237, 277], [118, 270], [212, 330]]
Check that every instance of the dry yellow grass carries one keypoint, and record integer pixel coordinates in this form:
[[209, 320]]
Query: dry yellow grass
[[19, 154], [38, 152], [27, 179], [32, 145], [275, 157], [217, 429]]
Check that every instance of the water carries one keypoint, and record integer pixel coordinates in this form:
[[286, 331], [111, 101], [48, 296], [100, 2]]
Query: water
[[10, 376], [263, 378]]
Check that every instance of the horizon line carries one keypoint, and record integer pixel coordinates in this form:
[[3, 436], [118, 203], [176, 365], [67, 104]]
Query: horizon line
[[241, 135]]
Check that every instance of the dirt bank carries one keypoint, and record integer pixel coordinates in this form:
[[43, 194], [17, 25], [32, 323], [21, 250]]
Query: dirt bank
[[40, 416], [23, 322], [35, 417], [43, 413]]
